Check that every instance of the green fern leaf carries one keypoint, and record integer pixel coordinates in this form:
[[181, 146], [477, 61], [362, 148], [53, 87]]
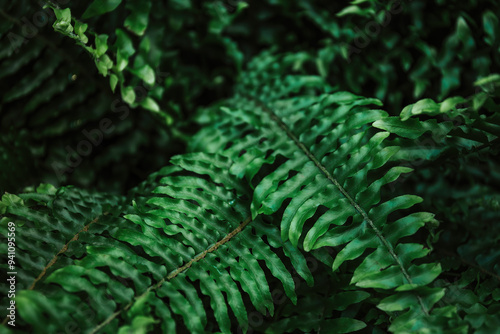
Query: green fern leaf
[[327, 167], [190, 229]]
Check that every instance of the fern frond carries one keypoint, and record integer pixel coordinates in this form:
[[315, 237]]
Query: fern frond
[[461, 135], [320, 163], [189, 239]]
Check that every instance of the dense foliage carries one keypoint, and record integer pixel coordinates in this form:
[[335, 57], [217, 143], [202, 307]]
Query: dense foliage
[[268, 167]]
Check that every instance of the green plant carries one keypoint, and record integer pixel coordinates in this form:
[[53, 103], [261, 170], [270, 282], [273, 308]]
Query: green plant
[[294, 206]]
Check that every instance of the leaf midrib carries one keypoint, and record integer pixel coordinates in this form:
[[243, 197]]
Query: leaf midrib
[[344, 192], [176, 272]]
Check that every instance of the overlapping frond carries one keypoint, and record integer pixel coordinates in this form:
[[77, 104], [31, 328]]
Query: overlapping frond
[[461, 136], [128, 267], [317, 162]]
